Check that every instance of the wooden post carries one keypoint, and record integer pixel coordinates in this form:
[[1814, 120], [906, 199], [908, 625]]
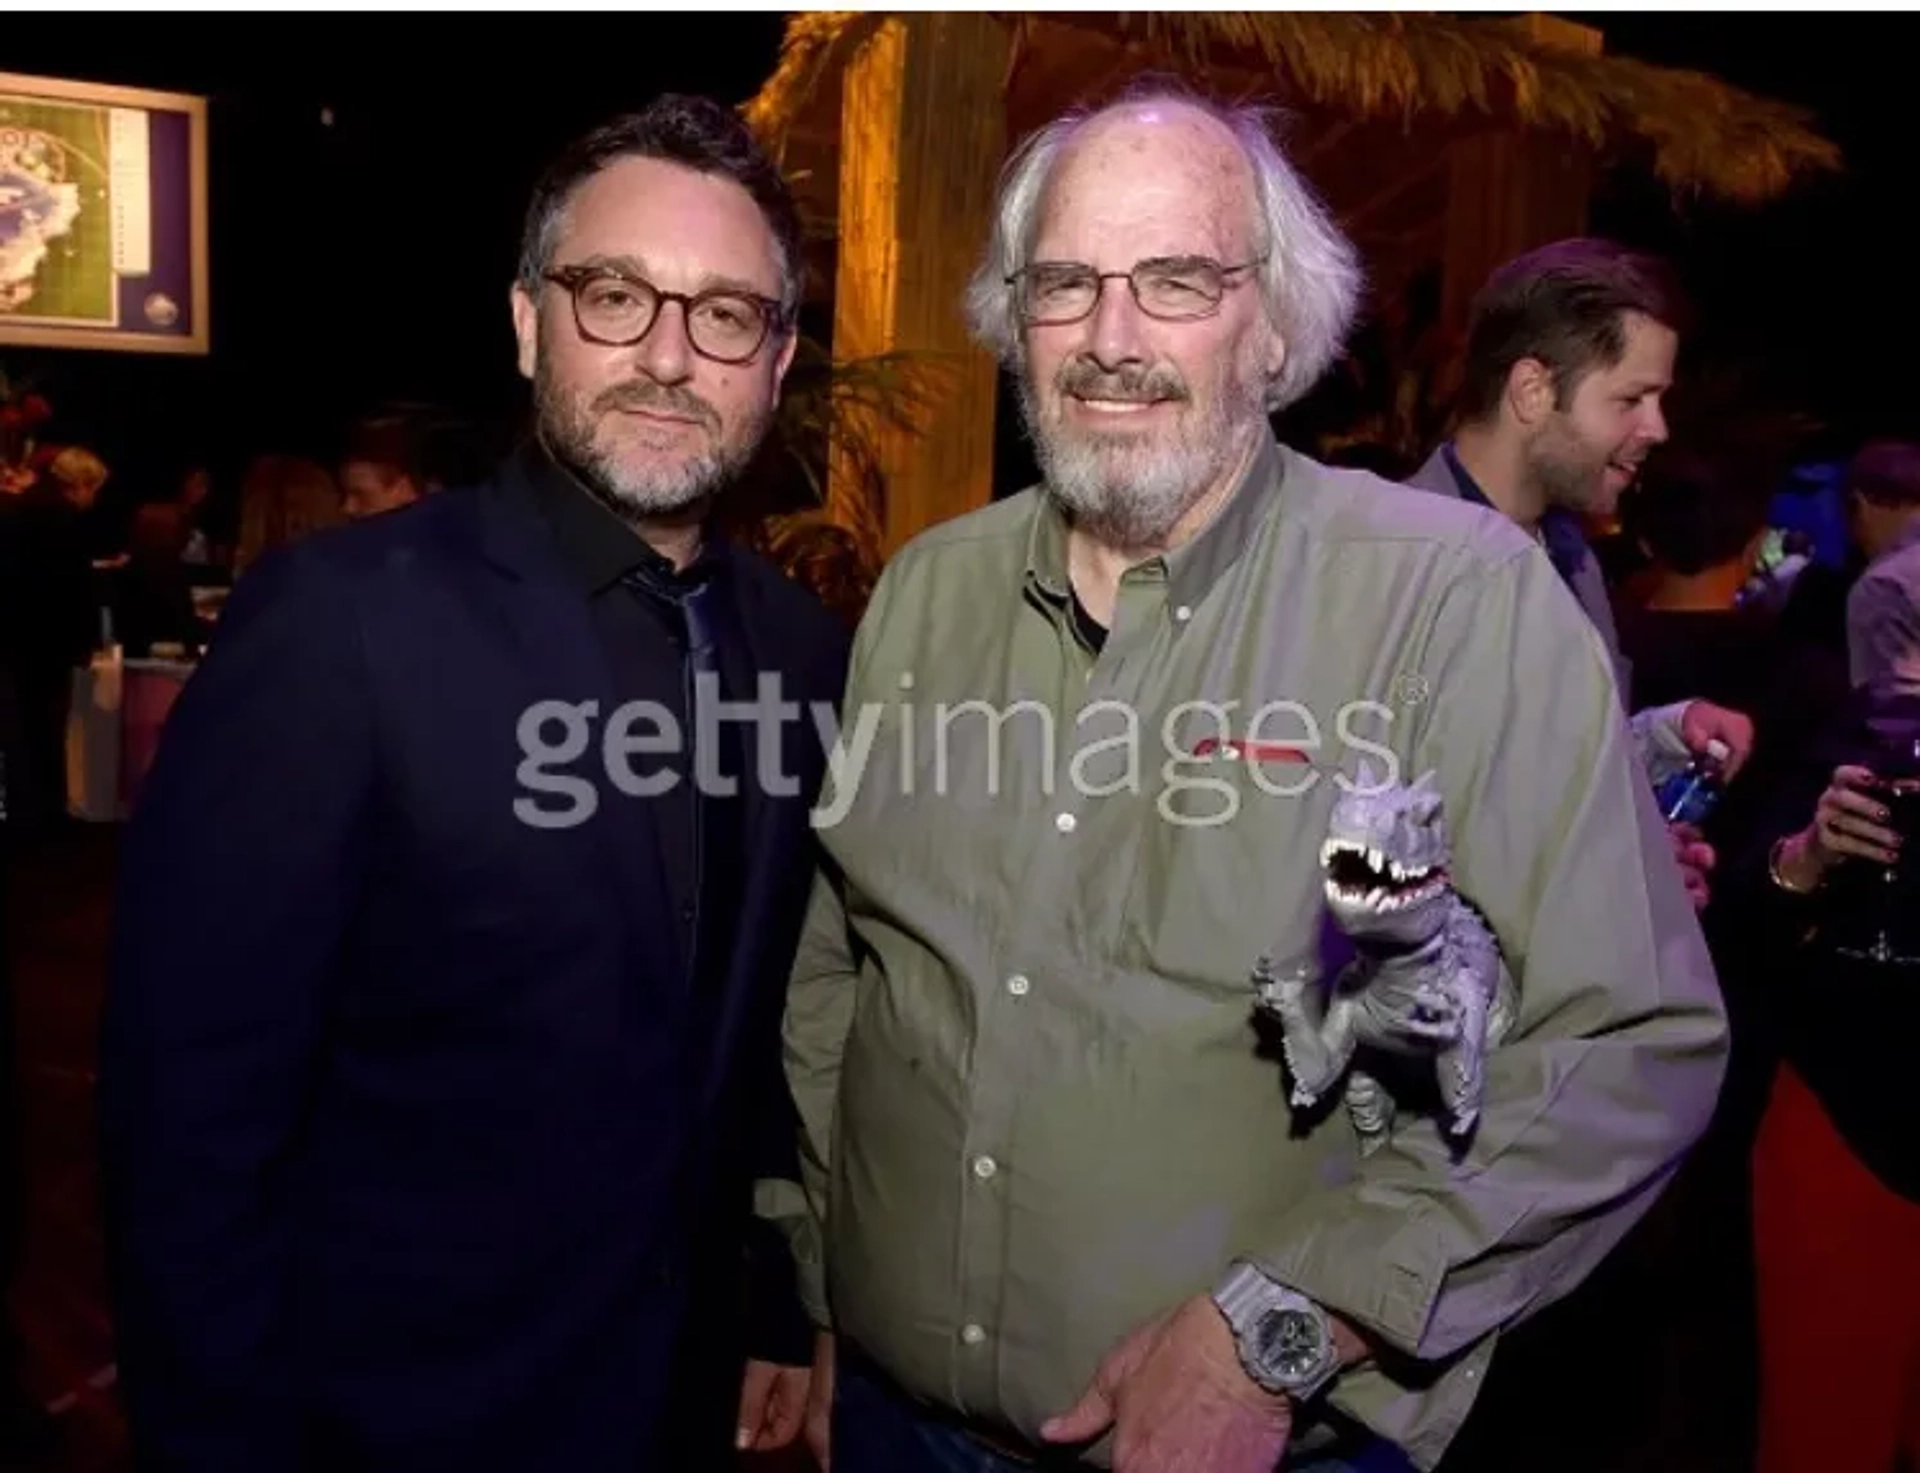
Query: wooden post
[[1511, 191], [923, 133]]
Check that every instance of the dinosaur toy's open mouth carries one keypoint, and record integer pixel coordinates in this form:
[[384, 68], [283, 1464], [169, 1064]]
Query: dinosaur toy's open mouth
[[1357, 875]]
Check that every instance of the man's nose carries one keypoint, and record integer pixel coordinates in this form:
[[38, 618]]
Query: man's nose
[[1114, 331], [1654, 426], [666, 352]]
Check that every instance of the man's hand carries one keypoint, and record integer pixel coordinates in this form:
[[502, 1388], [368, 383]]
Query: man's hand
[[773, 1403], [1696, 862], [1703, 722], [819, 1415], [1179, 1402]]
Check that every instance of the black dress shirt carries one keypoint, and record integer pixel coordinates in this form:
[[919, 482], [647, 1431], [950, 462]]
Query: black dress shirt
[[651, 619], [641, 607]]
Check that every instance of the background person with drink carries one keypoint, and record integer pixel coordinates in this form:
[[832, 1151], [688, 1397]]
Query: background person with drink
[[1836, 1168]]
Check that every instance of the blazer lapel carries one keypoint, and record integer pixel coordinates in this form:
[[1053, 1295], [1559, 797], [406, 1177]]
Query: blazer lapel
[[764, 855]]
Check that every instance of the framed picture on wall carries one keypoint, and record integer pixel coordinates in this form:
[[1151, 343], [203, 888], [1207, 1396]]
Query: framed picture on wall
[[103, 217]]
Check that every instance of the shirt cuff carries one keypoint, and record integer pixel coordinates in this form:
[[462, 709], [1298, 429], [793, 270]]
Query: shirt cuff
[[1656, 735], [784, 1204], [778, 1329], [1378, 1267]]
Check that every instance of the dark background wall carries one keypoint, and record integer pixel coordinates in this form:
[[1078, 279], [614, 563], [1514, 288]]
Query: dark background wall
[[368, 257]]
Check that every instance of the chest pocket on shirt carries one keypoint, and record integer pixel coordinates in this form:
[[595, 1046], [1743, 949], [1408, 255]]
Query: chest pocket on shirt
[[1228, 868]]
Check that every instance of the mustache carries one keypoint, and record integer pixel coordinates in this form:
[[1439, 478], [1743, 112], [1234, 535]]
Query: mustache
[[1133, 384], [640, 394]]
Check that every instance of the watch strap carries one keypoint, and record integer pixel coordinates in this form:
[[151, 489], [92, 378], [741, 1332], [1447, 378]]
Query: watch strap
[[1246, 1293], [1245, 1297]]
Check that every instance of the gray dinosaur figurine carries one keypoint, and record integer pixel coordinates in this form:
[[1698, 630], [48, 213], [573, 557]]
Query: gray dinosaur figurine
[[1427, 978]]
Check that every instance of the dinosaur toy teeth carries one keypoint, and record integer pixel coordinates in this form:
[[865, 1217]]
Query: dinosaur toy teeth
[[1385, 900], [1356, 874]]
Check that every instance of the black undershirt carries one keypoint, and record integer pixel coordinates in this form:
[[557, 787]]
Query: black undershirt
[[1092, 632]]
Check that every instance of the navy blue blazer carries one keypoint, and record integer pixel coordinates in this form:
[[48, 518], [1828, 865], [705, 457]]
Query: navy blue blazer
[[420, 1152]]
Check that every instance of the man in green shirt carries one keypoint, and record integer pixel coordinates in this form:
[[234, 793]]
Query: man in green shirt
[[1055, 1205]]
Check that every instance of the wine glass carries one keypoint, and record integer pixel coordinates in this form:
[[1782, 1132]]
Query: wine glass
[[1892, 896]]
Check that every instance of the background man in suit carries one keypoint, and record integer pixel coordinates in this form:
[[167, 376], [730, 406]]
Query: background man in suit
[[1570, 352], [439, 1047]]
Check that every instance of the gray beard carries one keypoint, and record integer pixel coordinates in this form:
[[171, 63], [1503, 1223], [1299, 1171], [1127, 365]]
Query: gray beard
[[567, 426], [1130, 492]]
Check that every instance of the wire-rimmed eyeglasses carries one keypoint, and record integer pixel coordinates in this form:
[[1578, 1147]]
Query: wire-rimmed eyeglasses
[[617, 309], [1172, 288]]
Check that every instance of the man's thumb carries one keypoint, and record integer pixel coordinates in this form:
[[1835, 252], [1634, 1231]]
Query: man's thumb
[[1086, 1420]]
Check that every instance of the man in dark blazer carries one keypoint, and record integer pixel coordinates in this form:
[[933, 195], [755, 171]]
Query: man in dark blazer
[[441, 1045], [1569, 356]]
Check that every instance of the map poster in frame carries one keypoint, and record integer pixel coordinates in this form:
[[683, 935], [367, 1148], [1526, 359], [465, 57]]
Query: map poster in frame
[[103, 217]]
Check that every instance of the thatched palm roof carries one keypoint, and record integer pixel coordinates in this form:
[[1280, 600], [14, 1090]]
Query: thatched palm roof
[[1702, 134]]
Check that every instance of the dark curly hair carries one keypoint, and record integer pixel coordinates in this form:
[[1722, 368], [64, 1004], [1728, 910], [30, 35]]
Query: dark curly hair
[[695, 132]]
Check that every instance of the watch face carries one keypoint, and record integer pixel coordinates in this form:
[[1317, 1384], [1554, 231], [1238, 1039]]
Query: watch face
[[1290, 1342]]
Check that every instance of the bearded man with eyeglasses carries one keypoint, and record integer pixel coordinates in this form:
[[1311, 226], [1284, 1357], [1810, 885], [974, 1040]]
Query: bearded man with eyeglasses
[[441, 1043], [1056, 1210]]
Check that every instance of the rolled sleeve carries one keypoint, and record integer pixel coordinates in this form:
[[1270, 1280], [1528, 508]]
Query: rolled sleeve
[[1614, 1062], [1657, 739]]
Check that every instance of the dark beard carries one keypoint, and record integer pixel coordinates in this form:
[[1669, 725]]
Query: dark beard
[[1568, 475], [567, 430]]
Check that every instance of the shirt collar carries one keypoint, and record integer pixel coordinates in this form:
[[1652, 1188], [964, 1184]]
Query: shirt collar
[[597, 549], [1908, 538], [1559, 532], [1192, 569]]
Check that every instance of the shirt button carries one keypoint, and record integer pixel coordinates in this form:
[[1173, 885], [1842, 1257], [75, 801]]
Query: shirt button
[[984, 1167], [1182, 614], [1018, 985], [1065, 822], [972, 1334]]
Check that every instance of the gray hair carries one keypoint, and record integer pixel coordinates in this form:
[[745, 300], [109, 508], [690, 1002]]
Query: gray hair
[[1311, 279]]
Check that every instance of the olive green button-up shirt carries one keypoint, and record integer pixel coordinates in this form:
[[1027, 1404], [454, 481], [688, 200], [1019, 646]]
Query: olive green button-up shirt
[[1036, 1109]]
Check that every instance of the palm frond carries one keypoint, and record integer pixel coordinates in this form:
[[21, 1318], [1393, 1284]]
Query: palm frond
[[816, 43], [1701, 134], [834, 417]]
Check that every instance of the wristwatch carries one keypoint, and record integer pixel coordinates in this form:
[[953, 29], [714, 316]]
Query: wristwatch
[[1285, 1339]]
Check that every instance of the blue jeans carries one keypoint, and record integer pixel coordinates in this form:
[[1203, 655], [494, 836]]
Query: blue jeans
[[877, 1430]]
